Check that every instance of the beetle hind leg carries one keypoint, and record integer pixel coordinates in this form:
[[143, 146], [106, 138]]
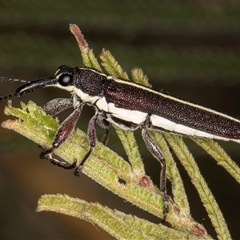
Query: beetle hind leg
[[157, 153]]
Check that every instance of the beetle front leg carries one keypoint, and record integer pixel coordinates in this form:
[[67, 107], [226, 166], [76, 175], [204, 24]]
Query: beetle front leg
[[57, 105], [62, 134]]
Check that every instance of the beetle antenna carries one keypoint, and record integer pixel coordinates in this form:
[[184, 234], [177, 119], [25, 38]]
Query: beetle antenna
[[6, 79], [9, 96]]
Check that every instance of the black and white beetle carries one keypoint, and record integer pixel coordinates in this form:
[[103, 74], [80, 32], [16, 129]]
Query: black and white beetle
[[129, 106]]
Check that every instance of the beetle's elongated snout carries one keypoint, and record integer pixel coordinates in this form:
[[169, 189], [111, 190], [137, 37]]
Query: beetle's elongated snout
[[32, 86]]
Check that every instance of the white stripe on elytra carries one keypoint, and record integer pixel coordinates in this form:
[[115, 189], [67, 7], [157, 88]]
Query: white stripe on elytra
[[138, 117], [171, 98], [168, 125]]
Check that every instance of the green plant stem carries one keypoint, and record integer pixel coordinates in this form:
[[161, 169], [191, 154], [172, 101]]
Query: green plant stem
[[198, 181]]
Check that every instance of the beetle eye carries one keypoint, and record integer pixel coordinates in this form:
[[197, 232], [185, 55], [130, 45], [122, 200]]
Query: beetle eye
[[65, 80]]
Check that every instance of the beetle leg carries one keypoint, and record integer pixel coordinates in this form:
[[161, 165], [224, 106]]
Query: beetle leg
[[62, 134], [157, 153], [57, 105]]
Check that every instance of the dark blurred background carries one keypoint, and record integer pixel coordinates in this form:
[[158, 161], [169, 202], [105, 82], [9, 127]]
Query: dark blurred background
[[191, 50]]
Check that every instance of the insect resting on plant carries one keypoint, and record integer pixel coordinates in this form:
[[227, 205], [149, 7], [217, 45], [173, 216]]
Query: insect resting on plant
[[129, 106]]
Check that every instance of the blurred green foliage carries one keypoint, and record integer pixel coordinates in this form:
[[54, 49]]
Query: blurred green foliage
[[171, 41]]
